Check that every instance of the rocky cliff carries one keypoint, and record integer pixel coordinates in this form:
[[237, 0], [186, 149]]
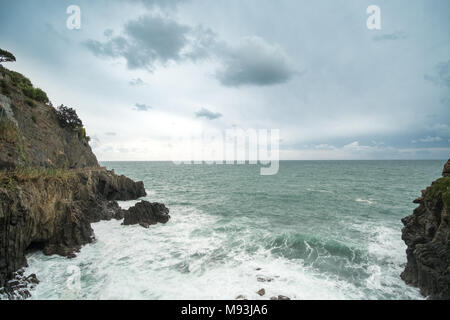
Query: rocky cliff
[[51, 185], [427, 234]]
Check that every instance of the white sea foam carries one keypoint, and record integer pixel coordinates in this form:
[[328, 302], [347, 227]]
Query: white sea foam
[[184, 259]]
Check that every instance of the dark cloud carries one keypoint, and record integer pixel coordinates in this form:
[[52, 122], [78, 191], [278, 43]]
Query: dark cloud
[[145, 41], [441, 76], [142, 107], [150, 40], [159, 3], [205, 113], [108, 33], [391, 36], [254, 62], [137, 82]]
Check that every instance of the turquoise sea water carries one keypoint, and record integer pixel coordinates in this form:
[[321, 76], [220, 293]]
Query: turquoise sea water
[[316, 230]]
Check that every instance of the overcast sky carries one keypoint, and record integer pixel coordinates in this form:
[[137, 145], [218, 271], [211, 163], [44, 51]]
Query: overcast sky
[[141, 71]]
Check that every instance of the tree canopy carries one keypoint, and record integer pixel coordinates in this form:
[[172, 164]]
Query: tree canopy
[[68, 117], [6, 56]]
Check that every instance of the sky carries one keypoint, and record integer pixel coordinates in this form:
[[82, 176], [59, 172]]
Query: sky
[[142, 73]]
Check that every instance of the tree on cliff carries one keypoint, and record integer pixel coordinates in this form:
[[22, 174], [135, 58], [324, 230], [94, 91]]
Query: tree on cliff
[[6, 56], [68, 117]]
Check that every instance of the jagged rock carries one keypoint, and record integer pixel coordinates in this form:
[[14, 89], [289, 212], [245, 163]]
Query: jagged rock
[[427, 235], [280, 297], [146, 214], [32, 278], [51, 210], [261, 292], [18, 288], [264, 279], [54, 215], [446, 171]]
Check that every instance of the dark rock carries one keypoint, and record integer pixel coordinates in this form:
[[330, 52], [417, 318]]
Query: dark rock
[[52, 210], [55, 215], [264, 279], [280, 297], [32, 278], [146, 214], [241, 297], [427, 235], [261, 292], [446, 171]]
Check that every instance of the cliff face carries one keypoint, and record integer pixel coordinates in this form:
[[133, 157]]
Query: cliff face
[[53, 212], [427, 235], [30, 133], [51, 185]]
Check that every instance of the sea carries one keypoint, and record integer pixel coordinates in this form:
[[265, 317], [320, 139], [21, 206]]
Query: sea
[[316, 230]]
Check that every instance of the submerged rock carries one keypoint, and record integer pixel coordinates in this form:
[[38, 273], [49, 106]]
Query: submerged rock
[[280, 297], [146, 214], [264, 279], [18, 288], [427, 235]]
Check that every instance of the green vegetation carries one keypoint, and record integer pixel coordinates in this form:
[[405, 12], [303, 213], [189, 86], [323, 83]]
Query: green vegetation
[[8, 131], [440, 187], [68, 118], [82, 135], [35, 93], [6, 56], [30, 103], [33, 117], [5, 88], [24, 85], [9, 178]]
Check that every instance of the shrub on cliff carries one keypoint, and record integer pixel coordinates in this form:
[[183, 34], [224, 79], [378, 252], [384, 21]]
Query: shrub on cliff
[[68, 117], [35, 94], [8, 130], [6, 56], [5, 88]]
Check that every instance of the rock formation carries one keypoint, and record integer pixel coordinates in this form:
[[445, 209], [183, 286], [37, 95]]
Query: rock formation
[[427, 234], [146, 214], [51, 185]]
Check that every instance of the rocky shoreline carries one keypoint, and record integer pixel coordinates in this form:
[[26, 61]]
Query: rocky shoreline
[[427, 235], [51, 185]]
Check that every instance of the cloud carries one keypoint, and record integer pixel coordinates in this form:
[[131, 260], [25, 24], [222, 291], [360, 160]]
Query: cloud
[[145, 41], [254, 62], [111, 134], [430, 139], [150, 40], [142, 107], [137, 82], [441, 76], [159, 3], [108, 33], [391, 36], [205, 113]]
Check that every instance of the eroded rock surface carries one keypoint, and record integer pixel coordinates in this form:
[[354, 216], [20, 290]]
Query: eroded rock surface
[[427, 234], [146, 214]]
